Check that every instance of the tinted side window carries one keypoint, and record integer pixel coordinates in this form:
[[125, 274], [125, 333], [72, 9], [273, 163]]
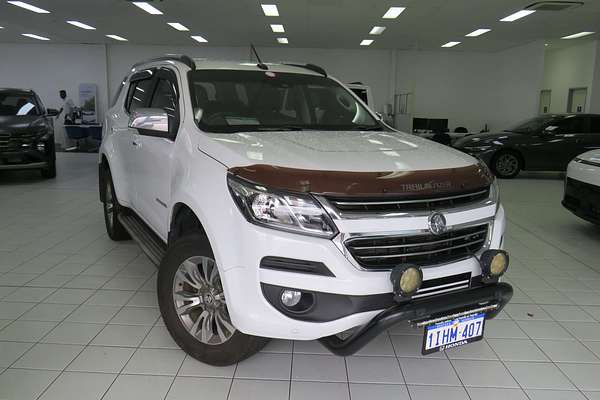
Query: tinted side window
[[165, 98], [595, 125], [139, 94], [570, 125]]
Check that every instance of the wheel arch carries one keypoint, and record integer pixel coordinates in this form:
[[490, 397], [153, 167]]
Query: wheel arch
[[184, 220]]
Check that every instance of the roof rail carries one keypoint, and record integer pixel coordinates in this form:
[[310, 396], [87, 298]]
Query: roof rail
[[182, 58], [311, 67]]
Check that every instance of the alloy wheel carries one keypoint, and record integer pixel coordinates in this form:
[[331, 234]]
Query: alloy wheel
[[200, 302], [507, 164]]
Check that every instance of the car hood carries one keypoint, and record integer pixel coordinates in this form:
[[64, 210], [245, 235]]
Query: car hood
[[335, 151], [16, 125], [481, 139], [591, 156]]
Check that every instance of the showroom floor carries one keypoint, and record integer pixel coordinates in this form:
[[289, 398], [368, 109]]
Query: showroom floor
[[79, 318]]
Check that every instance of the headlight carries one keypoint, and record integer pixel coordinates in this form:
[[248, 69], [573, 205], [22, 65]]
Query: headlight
[[292, 212], [477, 149], [495, 192]]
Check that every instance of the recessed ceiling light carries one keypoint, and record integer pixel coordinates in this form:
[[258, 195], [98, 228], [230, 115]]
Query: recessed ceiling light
[[478, 32], [177, 26], [149, 8], [366, 42], [117, 37], [517, 15], [377, 30], [1, 27], [199, 38], [81, 25], [277, 28], [31, 35], [270, 10], [577, 35], [282, 40], [393, 12], [450, 44], [29, 7]]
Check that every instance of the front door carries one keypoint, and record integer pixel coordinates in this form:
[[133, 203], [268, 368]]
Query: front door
[[154, 158]]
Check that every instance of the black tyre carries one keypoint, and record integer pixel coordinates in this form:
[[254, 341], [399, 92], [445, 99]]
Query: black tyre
[[193, 305], [50, 171], [112, 209], [506, 164]]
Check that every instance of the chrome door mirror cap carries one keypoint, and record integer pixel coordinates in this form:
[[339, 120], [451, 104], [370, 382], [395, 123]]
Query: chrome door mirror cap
[[149, 119]]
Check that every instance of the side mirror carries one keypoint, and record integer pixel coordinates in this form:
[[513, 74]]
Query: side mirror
[[52, 112], [150, 121]]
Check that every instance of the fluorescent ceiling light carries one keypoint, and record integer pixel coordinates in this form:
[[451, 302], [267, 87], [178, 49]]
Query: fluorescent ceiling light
[[29, 7], [199, 38], [277, 28], [377, 30], [478, 32], [393, 12], [578, 35], [149, 8], [282, 40], [366, 42], [31, 35], [270, 10], [117, 37], [450, 44], [1, 27], [177, 26], [81, 25], [517, 15]]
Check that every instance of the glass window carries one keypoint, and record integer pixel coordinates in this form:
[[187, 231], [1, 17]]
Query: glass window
[[568, 125], [595, 125], [13, 104], [164, 97], [139, 94], [237, 101]]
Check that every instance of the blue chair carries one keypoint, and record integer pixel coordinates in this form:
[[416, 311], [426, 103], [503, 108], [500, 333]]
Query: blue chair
[[76, 133]]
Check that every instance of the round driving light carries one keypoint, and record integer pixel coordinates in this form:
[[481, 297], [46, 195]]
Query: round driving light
[[494, 264], [498, 264], [406, 280], [290, 298]]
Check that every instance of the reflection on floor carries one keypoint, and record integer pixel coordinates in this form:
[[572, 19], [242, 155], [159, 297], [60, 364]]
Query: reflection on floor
[[79, 319]]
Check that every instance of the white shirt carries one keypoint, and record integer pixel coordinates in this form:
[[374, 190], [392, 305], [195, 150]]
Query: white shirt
[[68, 106]]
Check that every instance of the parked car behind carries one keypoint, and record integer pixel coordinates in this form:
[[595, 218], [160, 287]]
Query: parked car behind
[[582, 186], [26, 132], [543, 143]]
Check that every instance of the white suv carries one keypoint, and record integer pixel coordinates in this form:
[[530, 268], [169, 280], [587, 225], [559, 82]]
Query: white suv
[[277, 205]]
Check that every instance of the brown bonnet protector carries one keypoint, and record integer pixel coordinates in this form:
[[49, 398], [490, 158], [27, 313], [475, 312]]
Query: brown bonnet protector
[[405, 184]]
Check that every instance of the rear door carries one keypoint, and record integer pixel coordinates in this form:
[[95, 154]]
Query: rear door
[[564, 140], [154, 156]]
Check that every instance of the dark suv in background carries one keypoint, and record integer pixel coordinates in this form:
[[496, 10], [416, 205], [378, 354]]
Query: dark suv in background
[[543, 143], [26, 132]]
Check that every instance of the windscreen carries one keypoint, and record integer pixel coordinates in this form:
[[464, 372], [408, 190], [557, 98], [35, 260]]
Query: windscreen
[[12, 104], [242, 101], [535, 125]]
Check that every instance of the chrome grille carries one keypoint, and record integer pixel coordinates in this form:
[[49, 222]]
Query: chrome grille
[[384, 252], [379, 205], [8, 142]]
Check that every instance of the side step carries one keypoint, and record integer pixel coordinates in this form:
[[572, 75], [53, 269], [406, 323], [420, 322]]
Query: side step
[[150, 243]]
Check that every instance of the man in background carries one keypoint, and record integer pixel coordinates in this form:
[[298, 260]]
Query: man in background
[[67, 107]]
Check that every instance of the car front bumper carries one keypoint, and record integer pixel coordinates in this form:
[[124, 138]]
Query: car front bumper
[[582, 191], [24, 159]]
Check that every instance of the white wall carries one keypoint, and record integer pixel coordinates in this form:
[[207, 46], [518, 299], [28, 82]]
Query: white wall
[[594, 96], [568, 68], [470, 89], [48, 68]]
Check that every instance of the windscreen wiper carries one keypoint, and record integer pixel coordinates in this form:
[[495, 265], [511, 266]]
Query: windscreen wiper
[[279, 128]]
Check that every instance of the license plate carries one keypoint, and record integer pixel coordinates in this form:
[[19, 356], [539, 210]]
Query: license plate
[[453, 333]]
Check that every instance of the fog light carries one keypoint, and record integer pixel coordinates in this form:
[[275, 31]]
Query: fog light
[[494, 263], [41, 146], [406, 280], [290, 298]]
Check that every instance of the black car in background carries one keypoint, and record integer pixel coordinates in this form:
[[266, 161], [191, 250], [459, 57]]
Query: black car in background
[[26, 132], [543, 143]]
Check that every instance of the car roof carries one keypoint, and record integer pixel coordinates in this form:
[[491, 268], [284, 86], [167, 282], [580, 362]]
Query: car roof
[[206, 64], [16, 91]]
